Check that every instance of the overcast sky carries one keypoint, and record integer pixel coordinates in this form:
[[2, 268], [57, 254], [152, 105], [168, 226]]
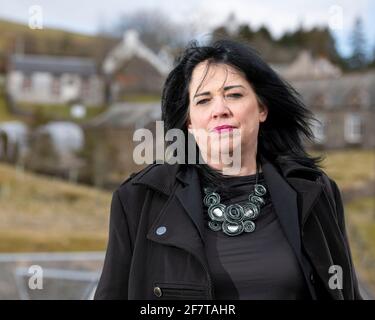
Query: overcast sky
[[87, 15]]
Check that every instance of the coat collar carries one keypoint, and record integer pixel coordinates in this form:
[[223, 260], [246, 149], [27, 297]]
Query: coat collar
[[188, 188], [301, 179], [160, 179]]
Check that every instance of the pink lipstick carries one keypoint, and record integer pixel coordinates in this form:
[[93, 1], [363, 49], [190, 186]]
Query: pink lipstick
[[224, 128]]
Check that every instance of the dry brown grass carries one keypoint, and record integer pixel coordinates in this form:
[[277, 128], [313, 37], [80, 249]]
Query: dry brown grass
[[39, 213], [42, 213], [353, 169], [360, 220], [350, 168]]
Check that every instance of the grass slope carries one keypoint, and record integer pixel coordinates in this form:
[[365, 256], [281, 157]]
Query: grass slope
[[38, 213]]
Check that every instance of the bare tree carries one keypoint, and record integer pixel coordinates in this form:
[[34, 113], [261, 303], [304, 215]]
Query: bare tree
[[156, 29]]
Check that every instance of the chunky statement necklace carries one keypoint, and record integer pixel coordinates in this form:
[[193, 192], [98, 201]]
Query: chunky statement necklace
[[236, 218]]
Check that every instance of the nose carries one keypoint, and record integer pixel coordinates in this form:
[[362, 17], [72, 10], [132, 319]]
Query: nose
[[220, 109]]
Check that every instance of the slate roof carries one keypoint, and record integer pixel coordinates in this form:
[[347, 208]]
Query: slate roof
[[52, 64], [339, 92]]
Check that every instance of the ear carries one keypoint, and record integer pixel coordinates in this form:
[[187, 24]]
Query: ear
[[263, 112]]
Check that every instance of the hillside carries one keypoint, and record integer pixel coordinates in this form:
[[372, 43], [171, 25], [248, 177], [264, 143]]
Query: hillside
[[42, 213], [16, 36], [39, 213]]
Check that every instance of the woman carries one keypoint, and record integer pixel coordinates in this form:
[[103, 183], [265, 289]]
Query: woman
[[271, 228]]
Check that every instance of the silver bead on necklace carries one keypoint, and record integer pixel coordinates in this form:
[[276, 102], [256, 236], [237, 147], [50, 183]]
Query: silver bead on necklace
[[236, 218]]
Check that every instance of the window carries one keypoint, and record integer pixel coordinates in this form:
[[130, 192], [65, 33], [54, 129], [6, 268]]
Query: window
[[359, 98], [353, 128], [55, 88], [26, 82], [85, 88]]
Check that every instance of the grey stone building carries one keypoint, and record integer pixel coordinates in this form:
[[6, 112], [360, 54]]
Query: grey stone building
[[345, 108], [131, 68], [343, 103], [109, 141]]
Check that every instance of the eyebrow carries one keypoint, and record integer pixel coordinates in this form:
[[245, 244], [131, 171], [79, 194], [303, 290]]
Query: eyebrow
[[225, 89]]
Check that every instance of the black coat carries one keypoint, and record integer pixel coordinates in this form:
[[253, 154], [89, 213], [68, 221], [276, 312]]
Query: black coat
[[141, 263]]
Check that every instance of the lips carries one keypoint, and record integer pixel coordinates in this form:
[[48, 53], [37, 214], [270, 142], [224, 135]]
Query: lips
[[224, 127]]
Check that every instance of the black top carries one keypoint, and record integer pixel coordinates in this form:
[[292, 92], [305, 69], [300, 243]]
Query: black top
[[257, 265]]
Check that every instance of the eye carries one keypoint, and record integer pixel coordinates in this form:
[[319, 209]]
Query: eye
[[235, 95], [203, 101]]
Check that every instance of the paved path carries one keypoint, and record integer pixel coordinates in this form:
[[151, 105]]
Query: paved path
[[66, 275]]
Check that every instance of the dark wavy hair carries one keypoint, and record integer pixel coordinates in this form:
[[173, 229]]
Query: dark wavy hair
[[288, 121]]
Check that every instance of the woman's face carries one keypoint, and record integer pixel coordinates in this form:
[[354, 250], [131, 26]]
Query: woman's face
[[219, 105]]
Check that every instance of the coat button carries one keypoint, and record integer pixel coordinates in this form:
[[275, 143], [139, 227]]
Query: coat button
[[312, 279], [161, 230], [157, 292]]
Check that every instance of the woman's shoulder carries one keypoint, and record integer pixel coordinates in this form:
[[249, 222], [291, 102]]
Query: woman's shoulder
[[137, 174], [153, 174]]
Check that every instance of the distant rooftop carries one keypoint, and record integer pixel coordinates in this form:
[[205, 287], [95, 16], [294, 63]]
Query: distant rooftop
[[339, 92], [127, 115], [305, 66], [132, 46], [52, 64]]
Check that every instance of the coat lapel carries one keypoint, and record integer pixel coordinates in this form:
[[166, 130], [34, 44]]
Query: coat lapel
[[308, 192], [313, 236], [190, 198], [294, 200], [182, 217], [284, 201]]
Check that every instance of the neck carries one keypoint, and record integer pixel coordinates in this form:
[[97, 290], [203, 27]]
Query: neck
[[248, 166]]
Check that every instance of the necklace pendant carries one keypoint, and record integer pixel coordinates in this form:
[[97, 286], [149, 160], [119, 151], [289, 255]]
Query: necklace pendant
[[211, 198], [214, 225], [257, 200], [217, 212], [232, 228], [249, 226], [251, 211], [259, 190], [236, 218]]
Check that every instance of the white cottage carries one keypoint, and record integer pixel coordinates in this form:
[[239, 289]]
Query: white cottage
[[53, 80]]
